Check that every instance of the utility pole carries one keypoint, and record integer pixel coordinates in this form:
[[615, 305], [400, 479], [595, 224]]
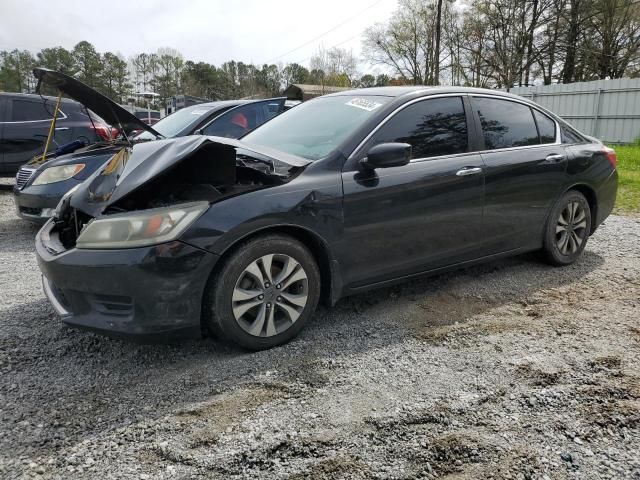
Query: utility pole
[[436, 74]]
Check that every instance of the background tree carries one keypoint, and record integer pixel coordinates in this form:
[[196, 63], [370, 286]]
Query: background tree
[[295, 73], [115, 77], [367, 80], [382, 80], [15, 71], [88, 64], [57, 58], [409, 43], [481, 43], [338, 66], [166, 68]]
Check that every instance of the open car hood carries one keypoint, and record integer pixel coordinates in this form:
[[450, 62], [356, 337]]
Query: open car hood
[[134, 167], [106, 108]]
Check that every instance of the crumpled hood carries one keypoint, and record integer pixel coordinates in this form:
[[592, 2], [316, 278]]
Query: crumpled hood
[[106, 108], [132, 167]]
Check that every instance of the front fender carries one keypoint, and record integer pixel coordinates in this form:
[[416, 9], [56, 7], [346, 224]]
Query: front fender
[[309, 206]]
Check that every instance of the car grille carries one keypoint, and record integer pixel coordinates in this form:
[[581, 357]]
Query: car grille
[[23, 176]]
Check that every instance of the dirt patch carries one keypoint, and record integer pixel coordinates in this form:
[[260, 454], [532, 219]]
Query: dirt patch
[[607, 362], [225, 411], [537, 376], [334, 468], [443, 308], [451, 452]]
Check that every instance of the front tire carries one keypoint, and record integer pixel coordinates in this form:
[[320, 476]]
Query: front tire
[[567, 229], [264, 293]]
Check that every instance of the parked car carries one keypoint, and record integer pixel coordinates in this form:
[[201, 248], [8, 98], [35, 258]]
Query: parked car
[[149, 117], [24, 126], [40, 186], [341, 194]]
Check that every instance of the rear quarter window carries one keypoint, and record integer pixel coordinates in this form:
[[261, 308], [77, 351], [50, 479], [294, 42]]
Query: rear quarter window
[[568, 135], [29, 111], [546, 127]]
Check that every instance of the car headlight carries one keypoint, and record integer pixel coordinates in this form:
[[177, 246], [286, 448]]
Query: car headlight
[[58, 174], [137, 229]]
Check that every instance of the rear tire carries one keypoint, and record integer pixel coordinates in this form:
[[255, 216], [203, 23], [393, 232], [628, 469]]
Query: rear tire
[[568, 229], [264, 293]]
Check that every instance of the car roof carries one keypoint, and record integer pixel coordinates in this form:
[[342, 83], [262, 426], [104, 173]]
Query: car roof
[[35, 96], [231, 103], [416, 90]]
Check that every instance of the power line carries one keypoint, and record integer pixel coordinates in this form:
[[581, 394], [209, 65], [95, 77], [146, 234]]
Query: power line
[[332, 46], [325, 33]]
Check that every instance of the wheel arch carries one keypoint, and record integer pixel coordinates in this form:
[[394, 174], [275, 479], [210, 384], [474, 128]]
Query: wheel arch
[[592, 199], [330, 283]]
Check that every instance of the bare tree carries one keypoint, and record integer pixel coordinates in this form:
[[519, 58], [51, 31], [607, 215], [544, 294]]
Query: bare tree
[[406, 42], [339, 66]]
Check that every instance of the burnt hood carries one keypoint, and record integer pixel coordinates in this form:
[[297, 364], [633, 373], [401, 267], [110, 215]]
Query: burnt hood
[[132, 167], [106, 108]]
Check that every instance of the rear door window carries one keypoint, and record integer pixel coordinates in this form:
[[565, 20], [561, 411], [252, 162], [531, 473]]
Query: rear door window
[[433, 128], [505, 123], [29, 111]]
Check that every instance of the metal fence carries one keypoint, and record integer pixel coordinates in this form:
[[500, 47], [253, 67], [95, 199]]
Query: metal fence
[[606, 109]]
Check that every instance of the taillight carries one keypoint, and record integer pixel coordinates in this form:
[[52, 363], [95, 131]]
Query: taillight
[[102, 131], [610, 153]]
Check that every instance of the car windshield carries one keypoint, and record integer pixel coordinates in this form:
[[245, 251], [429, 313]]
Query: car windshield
[[173, 124], [314, 129]]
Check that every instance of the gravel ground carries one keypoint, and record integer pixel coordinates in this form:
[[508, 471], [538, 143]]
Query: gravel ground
[[509, 370]]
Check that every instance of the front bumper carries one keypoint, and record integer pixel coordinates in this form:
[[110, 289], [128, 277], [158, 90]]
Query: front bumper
[[148, 293], [37, 203]]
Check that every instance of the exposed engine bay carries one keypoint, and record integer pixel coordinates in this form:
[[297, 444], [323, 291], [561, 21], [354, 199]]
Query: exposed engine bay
[[199, 177], [210, 172]]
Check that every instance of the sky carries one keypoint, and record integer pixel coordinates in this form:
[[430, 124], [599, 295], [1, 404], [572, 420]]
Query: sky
[[213, 31]]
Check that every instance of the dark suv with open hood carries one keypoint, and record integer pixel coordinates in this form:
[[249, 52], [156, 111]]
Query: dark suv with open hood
[[24, 126], [40, 185]]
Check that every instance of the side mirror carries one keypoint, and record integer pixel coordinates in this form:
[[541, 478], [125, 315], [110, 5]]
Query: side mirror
[[385, 155], [198, 132]]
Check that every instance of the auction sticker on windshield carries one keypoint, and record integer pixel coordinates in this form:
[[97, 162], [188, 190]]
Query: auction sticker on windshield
[[364, 104]]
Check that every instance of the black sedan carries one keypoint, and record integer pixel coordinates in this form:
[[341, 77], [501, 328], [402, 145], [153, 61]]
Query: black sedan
[[344, 193], [41, 185]]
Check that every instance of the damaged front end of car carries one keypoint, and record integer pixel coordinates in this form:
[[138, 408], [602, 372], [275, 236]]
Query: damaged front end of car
[[151, 192], [116, 255]]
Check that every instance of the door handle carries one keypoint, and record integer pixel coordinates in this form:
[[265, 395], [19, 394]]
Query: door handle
[[62, 128], [555, 158], [468, 171]]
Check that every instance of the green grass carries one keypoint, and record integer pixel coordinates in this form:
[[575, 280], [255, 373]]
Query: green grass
[[628, 199]]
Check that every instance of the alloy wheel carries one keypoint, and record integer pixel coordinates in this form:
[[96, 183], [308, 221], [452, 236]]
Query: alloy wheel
[[571, 228], [270, 295]]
